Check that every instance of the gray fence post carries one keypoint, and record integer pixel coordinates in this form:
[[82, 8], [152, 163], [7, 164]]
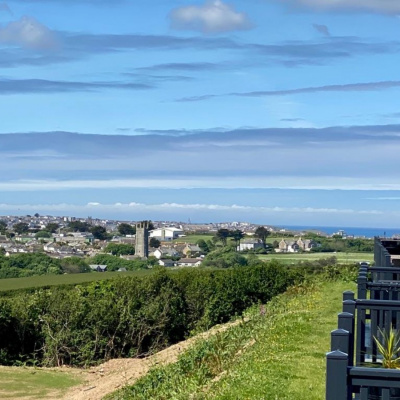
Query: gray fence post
[[362, 287], [388, 259], [340, 340], [336, 376], [349, 306], [346, 322], [348, 295]]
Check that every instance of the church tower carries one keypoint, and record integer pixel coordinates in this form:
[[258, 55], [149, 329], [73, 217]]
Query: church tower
[[142, 239]]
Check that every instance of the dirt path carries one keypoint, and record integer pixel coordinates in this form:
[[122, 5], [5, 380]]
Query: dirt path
[[114, 374]]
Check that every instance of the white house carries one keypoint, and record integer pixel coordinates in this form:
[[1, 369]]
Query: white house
[[189, 262], [250, 244], [164, 251], [165, 262]]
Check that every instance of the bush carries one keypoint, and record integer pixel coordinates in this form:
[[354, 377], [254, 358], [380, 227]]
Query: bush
[[129, 316]]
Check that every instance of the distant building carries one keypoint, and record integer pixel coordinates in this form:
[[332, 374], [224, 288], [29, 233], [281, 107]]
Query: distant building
[[164, 251], [98, 267], [189, 262], [250, 244], [142, 239], [293, 246], [165, 262], [166, 234]]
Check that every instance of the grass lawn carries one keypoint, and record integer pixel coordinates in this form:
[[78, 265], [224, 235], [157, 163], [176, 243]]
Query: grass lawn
[[34, 383], [193, 238], [276, 356], [343, 258], [67, 279], [288, 359]]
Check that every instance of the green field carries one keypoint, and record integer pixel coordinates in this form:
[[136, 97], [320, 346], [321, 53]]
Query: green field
[[342, 258], [193, 238], [35, 383], [67, 279]]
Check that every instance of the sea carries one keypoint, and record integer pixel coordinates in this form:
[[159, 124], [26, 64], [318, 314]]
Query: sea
[[350, 231]]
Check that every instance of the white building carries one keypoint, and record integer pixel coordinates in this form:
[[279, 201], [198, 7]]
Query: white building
[[166, 234], [250, 244]]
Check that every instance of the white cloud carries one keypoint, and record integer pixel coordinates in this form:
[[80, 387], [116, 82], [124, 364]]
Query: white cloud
[[206, 182], [29, 33], [379, 6], [212, 17], [177, 207]]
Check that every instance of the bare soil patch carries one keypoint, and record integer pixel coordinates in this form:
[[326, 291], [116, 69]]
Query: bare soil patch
[[114, 374]]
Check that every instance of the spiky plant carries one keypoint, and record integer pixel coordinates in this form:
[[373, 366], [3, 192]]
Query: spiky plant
[[389, 347]]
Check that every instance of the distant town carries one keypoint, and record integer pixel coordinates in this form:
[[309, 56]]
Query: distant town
[[62, 236]]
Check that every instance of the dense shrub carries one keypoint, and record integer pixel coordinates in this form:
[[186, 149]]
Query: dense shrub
[[21, 265], [128, 316], [225, 257]]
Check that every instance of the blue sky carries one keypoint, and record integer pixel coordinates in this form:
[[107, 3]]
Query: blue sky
[[270, 111]]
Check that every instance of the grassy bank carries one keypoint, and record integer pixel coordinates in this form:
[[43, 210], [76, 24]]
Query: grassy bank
[[278, 354], [66, 279]]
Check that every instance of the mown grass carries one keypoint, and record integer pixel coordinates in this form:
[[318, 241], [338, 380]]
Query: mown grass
[[193, 239], [342, 258], [34, 383], [279, 354], [66, 279]]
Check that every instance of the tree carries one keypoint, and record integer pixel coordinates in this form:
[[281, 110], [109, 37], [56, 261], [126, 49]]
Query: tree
[[3, 226], [42, 234], [224, 258], [237, 235], [118, 249], [78, 226], [21, 227], [99, 232], [52, 227], [154, 242], [222, 235], [262, 233], [74, 265], [126, 229], [203, 245]]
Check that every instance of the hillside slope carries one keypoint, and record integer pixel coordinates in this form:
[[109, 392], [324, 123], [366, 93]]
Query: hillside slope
[[279, 354]]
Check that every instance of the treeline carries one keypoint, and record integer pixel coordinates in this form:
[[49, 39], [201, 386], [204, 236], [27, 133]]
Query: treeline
[[127, 317], [342, 245], [23, 265], [31, 264]]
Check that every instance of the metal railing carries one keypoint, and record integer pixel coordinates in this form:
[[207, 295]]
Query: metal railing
[[353, 364]]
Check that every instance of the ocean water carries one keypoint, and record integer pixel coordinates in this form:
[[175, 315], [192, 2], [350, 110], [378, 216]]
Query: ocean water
[[356, 231]]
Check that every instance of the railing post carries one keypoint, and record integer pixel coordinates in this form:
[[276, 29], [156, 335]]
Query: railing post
[[340, 340], [362, 287], [388, 259], [349, 306], [346, 322], [348, 295], [336, 376]]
